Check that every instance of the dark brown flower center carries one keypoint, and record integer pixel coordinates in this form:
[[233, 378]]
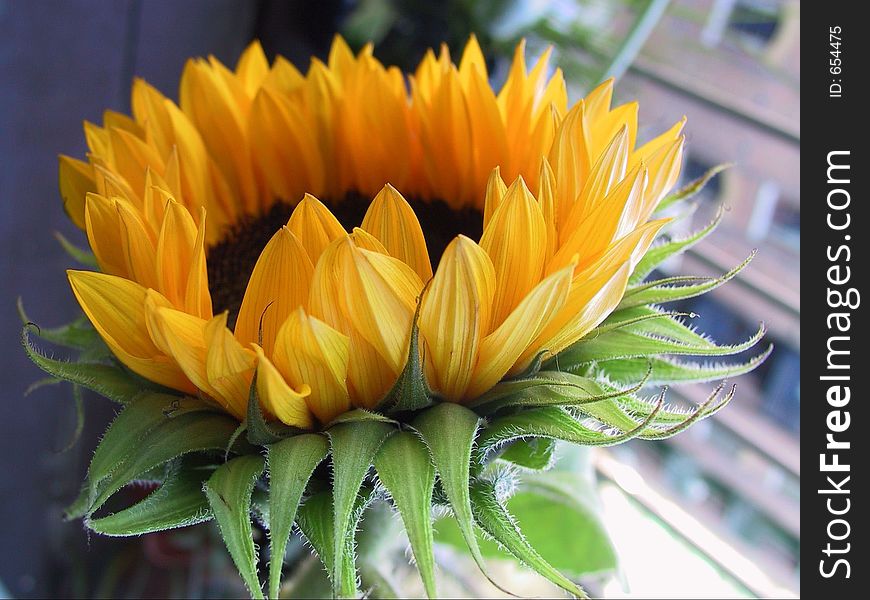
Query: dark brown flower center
[[232, 259]]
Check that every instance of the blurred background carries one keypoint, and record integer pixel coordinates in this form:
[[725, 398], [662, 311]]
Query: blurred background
[[714, 512]]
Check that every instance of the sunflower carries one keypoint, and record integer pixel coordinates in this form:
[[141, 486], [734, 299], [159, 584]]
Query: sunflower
[[234, 232], [355, 285]]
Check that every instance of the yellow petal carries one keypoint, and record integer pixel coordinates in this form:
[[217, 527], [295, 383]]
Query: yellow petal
[[310, 352], [103, 224], [116, 308], [288, 156], [149, 112], [606, 223], [229, 366], [182, 337], [570, 159], [138, 245], [369, 377], [596, 290], [455, 315], [279, 283], [664, 171], [392, 220], [495, 191], [547, 199], [76, 180], [280, 399], [176, 248], [500, 349], [607, 172], [284, 76], [516, 241], [315, 226], [132, 157], [472, 58], [380, 300], [197, 298], [252, 68]]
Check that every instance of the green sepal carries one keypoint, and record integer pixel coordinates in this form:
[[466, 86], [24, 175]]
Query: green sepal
[[535, 453], [316, 520], [449, 431], [359, 415], [491, 515], [111, 382], [80, 419], [178, 502], [79, 334], [651, 321], [353, 448], [670, 370], [659, 253], [81, 256], [670, 290], [411, 391], [291, 463], [691, 188], [406, 471], [547, 388], [229, 492], [261, 432], [151, 431], [636, 341]]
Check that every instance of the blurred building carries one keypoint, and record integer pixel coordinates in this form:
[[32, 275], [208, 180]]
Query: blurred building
[[733, 68]]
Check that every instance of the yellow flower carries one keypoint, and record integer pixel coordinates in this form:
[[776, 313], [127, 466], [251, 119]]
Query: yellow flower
[[218, 260]]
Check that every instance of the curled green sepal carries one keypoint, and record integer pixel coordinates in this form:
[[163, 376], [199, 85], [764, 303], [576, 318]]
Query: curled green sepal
[[491, 515], [692, 188], [109, 381], [229, 492], [291, 463], [407, 473], [353, 446]]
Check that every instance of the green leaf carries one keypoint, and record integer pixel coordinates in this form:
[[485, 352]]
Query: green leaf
[[558, 513], [658, 292], [229, 493], [178, 502], [633, 342], [83, 257], [669, 370], [534, 453], [354, 446], [493, 518], [658, 254], [547, 388], [259, 431], [291, 463], [407, 472], [410, 392], [692, 188], [112, 382], [449, 430]]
